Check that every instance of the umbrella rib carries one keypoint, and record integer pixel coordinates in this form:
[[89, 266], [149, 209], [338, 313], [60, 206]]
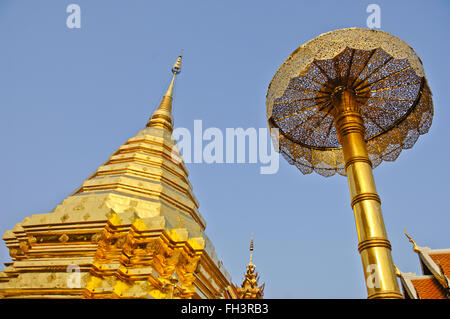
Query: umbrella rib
[[303, 122], [384, 110], [321, 70], [295, 113], [365, 64], [329, 129], [310, 90], [376, 70], [375, 122], [384, 78], [298, 100], [314, 80], [350, 66], [326, 114], [385, 99], [393, 87], [301, 111]]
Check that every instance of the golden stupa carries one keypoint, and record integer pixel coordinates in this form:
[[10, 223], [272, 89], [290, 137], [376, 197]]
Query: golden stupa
[[132, 230]]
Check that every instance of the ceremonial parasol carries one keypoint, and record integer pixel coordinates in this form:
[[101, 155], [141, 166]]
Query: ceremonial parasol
[[343, 103]]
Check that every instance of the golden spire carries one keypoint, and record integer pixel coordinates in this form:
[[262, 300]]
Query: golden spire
[[249, 288], [415, 247], [162, 117]]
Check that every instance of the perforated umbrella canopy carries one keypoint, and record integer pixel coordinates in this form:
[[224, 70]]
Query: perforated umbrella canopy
[[389, 84]]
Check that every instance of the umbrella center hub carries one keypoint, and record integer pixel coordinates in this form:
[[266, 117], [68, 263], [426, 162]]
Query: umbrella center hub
[[344, 100]]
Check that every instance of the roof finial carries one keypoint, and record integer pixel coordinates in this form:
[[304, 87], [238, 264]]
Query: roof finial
[[162, 117], [415, 247]]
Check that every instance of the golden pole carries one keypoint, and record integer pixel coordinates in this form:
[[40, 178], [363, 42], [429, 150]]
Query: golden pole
[[374, 246]]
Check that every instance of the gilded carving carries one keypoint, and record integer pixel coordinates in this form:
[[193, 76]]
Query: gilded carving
[[24, 246], [31, 240], [63, 238], [13, 252], [96, 238], [78, 207], [120, 241]]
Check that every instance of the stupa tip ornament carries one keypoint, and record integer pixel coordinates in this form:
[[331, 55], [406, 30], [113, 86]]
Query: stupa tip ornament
[[384, 75], [162, 117], [251, 250], [176, 68]]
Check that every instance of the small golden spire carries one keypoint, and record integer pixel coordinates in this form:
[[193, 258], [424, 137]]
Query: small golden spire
[[415, 247], [249, 288], [162, 117], [251, 250]]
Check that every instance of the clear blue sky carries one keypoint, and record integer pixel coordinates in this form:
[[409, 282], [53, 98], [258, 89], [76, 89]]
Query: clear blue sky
[[70, 98]]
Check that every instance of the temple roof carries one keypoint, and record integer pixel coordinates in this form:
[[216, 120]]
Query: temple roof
[[428, 288], [434, 281]]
